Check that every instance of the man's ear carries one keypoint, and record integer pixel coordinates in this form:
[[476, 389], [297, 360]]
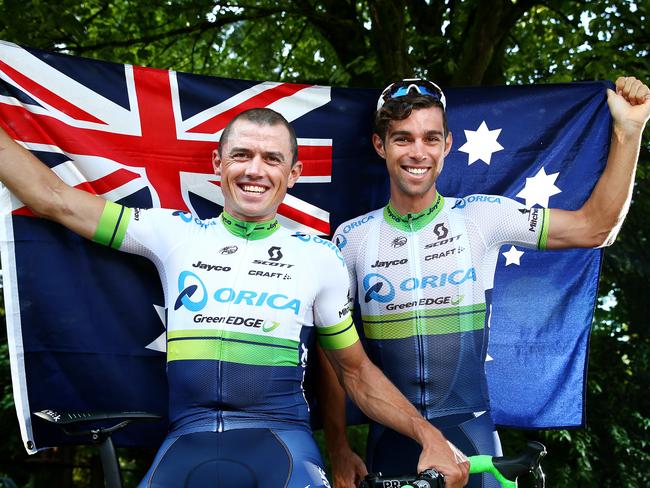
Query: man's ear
[[294, 174], [378, 144], [216, 162], [448, 142]]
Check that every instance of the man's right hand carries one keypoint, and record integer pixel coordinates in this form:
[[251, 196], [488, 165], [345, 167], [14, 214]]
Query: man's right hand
[[446, 459], [348, 469]]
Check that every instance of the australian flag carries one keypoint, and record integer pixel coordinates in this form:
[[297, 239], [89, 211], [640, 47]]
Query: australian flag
[[86, 324]]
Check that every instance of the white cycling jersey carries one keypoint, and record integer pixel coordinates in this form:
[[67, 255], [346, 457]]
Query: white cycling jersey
[[424, 285], [243, 300]]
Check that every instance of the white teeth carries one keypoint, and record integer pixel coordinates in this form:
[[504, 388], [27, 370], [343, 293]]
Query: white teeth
[[253, 188], [416, 171]]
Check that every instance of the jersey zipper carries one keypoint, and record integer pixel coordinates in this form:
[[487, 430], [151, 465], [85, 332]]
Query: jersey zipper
[[222, 345], [414, 251]]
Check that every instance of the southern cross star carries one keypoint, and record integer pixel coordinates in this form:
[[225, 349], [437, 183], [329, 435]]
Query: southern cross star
[[539, 189], [481, 143]]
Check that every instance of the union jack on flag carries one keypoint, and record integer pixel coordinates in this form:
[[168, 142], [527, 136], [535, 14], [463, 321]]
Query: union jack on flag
[[133, 128], [84, 322]]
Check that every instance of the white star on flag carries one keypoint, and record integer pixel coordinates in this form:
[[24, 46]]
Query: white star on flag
[[539, 189], [512, 256], [160, 343], [481, 144]]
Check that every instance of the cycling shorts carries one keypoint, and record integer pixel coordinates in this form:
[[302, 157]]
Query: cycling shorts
[[238, 458]]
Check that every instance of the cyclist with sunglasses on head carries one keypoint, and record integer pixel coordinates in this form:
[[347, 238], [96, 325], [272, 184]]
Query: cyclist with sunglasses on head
[[429, 343]]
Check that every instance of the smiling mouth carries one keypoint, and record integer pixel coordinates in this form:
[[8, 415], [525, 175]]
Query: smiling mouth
[[252, 188], [415, 171]]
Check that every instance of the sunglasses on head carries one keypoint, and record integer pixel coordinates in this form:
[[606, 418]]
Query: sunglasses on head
[[411, 86]]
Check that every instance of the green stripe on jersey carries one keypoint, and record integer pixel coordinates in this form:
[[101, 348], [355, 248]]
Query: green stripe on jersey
[[413, 222], [338, 336], [543, 234], [232, 347], [112, 225], [249, 230], [425, 322]]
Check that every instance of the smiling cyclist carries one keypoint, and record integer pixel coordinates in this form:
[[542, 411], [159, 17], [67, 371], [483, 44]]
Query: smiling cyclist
[[245, 299], [422, 269]]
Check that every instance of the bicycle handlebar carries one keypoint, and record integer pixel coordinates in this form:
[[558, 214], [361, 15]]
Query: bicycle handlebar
[[505, 469]]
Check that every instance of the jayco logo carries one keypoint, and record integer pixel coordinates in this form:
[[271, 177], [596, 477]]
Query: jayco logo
[[388, 264]]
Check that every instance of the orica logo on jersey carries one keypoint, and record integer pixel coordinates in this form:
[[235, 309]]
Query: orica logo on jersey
[[193, 295], [462, 202], [380, 289], [187, 217], [188, 285], [340, 241], [357, 223], [319, 240]]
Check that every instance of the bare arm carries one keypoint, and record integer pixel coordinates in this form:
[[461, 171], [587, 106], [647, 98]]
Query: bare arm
[[380, 400], [43, 191], [347, 467], [597, 223]]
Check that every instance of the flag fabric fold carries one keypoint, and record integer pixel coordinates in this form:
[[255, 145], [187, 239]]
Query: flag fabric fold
[[86, 324]]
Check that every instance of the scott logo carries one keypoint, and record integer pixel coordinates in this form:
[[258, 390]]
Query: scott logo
[[440, 231], [275, 253], [374, 283]]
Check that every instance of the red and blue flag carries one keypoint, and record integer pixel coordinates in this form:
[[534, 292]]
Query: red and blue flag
[[86, 324]]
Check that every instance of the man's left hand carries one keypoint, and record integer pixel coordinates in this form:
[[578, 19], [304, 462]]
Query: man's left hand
[[630, 103]]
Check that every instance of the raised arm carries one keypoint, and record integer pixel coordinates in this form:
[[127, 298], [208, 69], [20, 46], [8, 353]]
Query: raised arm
[[380, 400], [597, 223], [44, 193]]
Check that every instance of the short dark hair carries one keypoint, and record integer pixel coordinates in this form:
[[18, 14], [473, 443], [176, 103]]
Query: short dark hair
[[262, 116], [401, 108]]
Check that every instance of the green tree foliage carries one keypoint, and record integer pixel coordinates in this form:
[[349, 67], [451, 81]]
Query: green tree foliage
[[368, 43]]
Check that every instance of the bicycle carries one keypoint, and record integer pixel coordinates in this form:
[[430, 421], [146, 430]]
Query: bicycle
[[506, 469], [74, 424]]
